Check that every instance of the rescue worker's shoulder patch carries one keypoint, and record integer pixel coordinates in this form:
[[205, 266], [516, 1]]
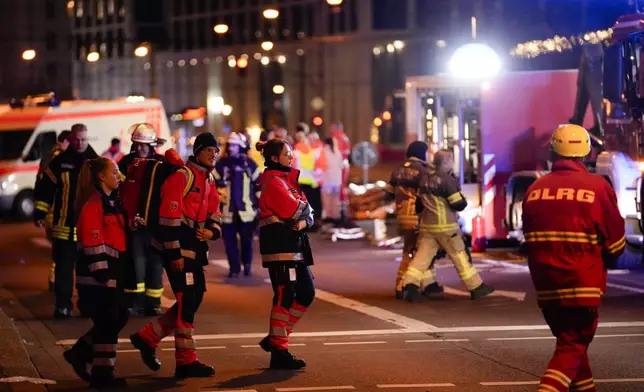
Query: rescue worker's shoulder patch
[[174, 205], [95, 234]]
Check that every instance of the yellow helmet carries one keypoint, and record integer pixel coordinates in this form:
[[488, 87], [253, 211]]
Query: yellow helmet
[[570, 141]]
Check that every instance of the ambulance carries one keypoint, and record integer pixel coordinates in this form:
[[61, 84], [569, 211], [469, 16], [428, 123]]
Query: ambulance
[[29, 128]]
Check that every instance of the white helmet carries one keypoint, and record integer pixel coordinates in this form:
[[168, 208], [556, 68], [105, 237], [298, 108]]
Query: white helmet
[[237, 138], [145, 133]]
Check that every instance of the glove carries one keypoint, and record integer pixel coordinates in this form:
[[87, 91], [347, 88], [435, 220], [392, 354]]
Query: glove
[[102, 276]]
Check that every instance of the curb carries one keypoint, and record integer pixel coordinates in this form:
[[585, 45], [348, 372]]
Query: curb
[[17, 372]]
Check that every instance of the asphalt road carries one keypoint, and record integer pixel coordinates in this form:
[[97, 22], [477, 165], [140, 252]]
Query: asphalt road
[[356, 336]]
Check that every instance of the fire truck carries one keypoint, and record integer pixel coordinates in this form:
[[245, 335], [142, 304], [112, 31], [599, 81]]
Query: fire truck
[[499, 131], [29, 128]]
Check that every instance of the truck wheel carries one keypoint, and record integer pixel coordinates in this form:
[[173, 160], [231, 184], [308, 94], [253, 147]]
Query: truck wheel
[[23, 205]]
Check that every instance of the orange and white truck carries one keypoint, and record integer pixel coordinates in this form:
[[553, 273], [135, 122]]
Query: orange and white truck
[[29, 129]]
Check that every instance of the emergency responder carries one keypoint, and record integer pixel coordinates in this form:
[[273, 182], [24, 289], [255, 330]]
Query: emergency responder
[[114, 152], [185, 226], [102, 266], [58, 187], [238, 175], [573, 231], [145, 298], [405, 181], [311, 164], [284, 217], [60, 146], [440, 196]]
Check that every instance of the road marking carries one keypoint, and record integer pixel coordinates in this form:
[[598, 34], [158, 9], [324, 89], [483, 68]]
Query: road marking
[[229, 390], [525, 338], [128, 351], [437, 341], [609, 380], [625, 288], [438, 385], [258, 346], [517, 295], [200, 348], [335, 388], [451, 291], [508, 383], [360, 307], [41, 242], [352, 343]]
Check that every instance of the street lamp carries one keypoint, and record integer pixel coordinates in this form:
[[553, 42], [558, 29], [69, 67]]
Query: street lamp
[[29, 55], [333, 2], [278, 89], [141, 51], [475, 61], [93, 57], [271, 13], [267, 45], [221, 28]]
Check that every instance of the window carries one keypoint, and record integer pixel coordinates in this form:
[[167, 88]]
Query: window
[[433, 14], [13, 142], [79, 8], [190, 6], [178, 7], [51, 41], [389, 14], [202, 30], [110, 44], [190, 37], [100, 10], [241, 28], [110, 7], [215, 5], [177, 38], [121, 43], [50, 9], [202, 6], [120, 8]]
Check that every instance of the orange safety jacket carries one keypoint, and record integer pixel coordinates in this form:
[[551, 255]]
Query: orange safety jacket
[[573, 229]]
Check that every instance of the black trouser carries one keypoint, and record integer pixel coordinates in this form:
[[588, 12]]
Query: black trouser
[[314, 197], [109, 315], [245, 230], [293, 293], [148, 267], [65, 256]]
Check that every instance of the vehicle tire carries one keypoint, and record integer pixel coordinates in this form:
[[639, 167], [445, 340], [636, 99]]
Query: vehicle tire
[[23, 205]]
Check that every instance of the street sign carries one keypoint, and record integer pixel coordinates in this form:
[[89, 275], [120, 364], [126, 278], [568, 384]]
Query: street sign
[[365, 155]]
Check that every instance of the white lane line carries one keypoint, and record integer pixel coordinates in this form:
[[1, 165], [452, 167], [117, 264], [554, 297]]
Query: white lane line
[[127, 351], [610, 380], [508, 383], [437, 340], [393, 386], [352, 343], [228, 390], [334, 388], [258, 346], [524, 338], [199, 348], [41, 242], [632, 289], [360, 307], [451, 291]]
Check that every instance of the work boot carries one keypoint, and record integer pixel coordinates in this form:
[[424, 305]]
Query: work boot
[[194, 370], [148, 354], [80, 357], [103, 377], [151, 311], [283, 359], [247, 270], [432, 291], [232, 274], [481, 291], [399, 294], [266, 345], [136, 311], [62, 313], [410, 293], [51, 287]]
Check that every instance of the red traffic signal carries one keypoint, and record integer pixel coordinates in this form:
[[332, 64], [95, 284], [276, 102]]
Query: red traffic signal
[[242, 62]]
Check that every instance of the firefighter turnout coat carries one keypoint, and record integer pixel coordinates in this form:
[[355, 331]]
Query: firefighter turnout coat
[[405, 181], [573, 230]]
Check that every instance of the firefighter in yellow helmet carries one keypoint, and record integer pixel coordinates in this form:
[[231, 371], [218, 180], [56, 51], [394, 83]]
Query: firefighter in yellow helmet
[[574, 231]]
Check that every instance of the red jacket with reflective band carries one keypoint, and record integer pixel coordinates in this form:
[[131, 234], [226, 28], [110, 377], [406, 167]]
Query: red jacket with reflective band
[[180, 216], [102, 236], [572, 226]]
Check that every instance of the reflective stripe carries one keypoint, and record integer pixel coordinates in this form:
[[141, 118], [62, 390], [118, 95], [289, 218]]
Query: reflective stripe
[[546, 388], [169, 222], [454, 198], [578, 292], [184, 331], [65, 198], [617, 246], [269, 220], [214, 217], [172, 245], [583, 385], [283, 257], [107, 362], [438, 228], [188, 254], [103, 347], [299, 210], [184, 343], [216, 227], [154, 293], [157, 245], [90, 281], [51, 175], [140, 288], [557, 376], [192, 223], [94, 250], [278, 331], [99, 265], [296, 313], [561, 236], [42, 206], [279, 316], [63, 233]]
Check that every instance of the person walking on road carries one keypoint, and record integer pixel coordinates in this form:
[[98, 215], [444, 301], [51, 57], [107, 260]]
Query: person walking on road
[[58, 188], [102, 235], [441, 198], [145, 298], [185, 226], [574, 231], [284, 217], [332, 182], [114, 152], [238, 176]]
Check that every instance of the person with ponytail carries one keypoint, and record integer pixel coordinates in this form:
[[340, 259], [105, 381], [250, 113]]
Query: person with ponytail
[[284, 217], [102, 226]]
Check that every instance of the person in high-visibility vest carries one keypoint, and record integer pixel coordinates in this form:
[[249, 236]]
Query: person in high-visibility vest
[[311, 164]]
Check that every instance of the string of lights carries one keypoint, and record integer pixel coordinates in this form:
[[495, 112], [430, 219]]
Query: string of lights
[[558, 43]]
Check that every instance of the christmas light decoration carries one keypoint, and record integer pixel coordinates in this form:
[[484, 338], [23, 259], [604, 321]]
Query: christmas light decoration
[[557, 43]]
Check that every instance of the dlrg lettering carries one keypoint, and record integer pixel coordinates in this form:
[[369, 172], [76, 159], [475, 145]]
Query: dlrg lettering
[[580, 195]]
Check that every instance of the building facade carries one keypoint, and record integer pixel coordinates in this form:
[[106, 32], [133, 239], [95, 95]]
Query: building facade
[[342, 63], [37, 30]]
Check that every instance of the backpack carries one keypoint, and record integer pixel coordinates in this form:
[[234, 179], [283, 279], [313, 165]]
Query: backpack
[[140, 193]]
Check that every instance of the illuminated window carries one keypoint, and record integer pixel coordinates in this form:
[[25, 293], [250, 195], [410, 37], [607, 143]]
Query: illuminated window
[[110, 7], [79, 8], [100, 10]]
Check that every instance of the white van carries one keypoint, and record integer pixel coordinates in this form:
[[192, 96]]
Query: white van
[[29, 129]]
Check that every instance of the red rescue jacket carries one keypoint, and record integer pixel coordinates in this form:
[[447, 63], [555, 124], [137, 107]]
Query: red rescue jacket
[[180, 216], [572, 226]]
